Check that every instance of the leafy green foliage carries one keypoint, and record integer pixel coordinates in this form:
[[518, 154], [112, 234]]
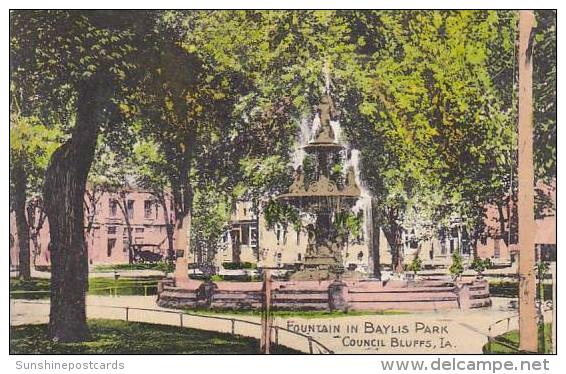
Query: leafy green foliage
[[238, 265], [31, 146], [348, 223], [283, 214], [211, 100], [544, 92], [479, 265], [211, 213], [456, 268], [416, 264]]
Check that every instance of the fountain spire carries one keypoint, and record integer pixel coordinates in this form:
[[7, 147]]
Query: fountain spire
[[326, 72], [320, 191]]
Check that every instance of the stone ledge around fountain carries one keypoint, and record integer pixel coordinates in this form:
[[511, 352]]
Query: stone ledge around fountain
[[360, 295]]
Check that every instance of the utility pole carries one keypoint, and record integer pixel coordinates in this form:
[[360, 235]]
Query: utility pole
[[554, 331], [527, 277], [266, 318]]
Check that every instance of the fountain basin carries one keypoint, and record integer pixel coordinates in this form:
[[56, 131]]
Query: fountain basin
[[355, 295]]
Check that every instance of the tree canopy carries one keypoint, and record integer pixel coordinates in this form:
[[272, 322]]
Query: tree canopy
[[207, 106]]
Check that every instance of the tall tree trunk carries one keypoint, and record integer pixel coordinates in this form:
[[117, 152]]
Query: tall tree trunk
[[393, 234], [503, 223], [36, 218], [124, 209], [184, 199], [398, 260], [169, 225], [375, 231], [65, 183], [20, 183], [183, 232]]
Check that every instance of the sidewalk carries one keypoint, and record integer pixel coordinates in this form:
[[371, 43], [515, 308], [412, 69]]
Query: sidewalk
[[442, 332]]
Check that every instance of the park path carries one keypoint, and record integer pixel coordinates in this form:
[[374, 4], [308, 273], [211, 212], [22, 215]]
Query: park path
[[440, 332]]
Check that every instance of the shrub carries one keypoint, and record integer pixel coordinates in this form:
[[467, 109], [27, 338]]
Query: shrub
[[479, 265], [416, 265], [457, 268], [238, 265]]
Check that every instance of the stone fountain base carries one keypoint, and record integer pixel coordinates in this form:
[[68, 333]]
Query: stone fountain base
[[325, 272], [316, 268], [363, 295]]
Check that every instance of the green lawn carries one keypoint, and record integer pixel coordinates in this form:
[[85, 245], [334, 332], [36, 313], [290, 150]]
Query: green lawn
[[38, 288], [160, 266], [511, 289], [508, 343], [119, 337]]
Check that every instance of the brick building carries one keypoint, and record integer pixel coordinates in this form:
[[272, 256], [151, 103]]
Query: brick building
[[106, 229]]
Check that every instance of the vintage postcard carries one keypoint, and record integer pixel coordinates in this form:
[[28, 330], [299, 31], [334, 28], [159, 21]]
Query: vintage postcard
[[282, 182]]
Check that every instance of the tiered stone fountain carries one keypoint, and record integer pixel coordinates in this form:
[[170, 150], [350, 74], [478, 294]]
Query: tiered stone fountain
[[323, 197], [322, 283]]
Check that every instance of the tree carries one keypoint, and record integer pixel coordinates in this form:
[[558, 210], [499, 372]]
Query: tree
[[70, 61], [544, 96], [211, 217], [429, 114], [149, 170], [31, 146]]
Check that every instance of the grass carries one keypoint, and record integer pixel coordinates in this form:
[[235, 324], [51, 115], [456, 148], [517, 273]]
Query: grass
[[160, 266], [119, 337], [307, 314], [511, 289], [508, 343], [38, 288]]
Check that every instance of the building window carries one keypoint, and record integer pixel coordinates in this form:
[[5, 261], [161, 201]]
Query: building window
[[139, 230], [111, 245], [130, 209], [147, 208], [111, 230], [299, 257], [113, 207], [442, 239]]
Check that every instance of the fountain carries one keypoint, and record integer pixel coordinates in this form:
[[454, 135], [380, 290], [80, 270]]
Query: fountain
[[324, 194]]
